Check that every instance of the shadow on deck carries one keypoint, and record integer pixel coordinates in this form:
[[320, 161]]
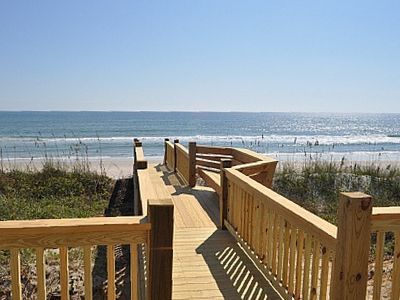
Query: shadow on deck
[[208, 262]]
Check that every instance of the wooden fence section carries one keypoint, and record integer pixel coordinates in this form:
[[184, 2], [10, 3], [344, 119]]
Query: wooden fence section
[[182, 162], [385, 224], [293, 247], [169, 155], [63, 234]]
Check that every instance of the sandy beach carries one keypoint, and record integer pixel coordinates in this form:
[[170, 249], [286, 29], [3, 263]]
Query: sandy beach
[[113, 167]]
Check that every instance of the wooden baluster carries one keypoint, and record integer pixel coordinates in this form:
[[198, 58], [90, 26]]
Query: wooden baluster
[[40, 273], [110, 272], [165, 151], [274, 243], [292, 260], [324, 273], [192, 165], [271, 218], [87, 258], [64, 277], [315, 269], [306, 275], [280, 248], [396, 268], [380, 242], [134, 271], [223, 197], [16, 274], [286, 255], [299, 262], [264, 234]]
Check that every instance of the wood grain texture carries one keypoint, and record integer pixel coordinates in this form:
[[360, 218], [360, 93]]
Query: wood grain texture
[[352, 251], [293, 213], [16, 274], [64, 273], [40, 273], [87, 259], [111, 295]]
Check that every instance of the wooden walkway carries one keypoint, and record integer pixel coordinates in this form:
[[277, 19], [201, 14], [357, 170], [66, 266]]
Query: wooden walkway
[[208, 263]]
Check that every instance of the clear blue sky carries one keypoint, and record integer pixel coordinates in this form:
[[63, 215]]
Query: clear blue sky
[[212, 55]]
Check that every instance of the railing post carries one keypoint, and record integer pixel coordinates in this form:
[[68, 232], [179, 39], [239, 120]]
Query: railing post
[[165, 151], [350, 270], [175, 156], [138, 164], [161, 217], [223, 197], [192, 164]]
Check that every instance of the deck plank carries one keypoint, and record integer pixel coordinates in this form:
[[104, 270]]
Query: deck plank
[[208, 263]]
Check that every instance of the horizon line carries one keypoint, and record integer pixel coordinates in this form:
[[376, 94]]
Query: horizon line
[[197, 111]]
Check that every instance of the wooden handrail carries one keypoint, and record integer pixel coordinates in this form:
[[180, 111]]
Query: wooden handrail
[[385, 218], [213, 150], [297, 215]]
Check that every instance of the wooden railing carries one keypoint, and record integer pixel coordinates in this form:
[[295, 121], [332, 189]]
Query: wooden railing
[[169, 154], [63, 234], [304, 256], [278, 234], [385, 221], [148, 235]]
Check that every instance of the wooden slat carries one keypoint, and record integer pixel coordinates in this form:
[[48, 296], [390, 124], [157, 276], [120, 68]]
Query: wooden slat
[[57, 233], [380, 242], [299, 263], [40, 273], [275, 237], [280, 248], [16, 274], [207, 163], [87, 258], [385, 218], [214, 157], [110, 272], [64, 274], [315, 269], [212, 179], [286, 243], [271, 238], [292, 261], [293, 213], [306, 275], [134, 271], [256, 167], [213, 150], [396, 268], [324, 273]]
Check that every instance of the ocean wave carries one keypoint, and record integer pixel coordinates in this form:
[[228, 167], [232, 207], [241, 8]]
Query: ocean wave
[[221, 139]]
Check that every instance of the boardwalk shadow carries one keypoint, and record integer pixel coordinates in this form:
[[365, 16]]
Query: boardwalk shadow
[[235, 274]]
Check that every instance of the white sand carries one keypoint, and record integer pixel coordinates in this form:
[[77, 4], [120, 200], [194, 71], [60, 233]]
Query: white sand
[[113, 167]]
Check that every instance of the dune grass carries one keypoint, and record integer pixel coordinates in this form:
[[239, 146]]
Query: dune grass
[[53, 192], [316, 185]]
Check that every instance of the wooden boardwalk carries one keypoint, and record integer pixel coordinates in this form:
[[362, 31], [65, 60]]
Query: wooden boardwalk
[[208, 263]]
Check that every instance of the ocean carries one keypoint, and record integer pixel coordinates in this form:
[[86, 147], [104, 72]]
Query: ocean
[[287, 136]]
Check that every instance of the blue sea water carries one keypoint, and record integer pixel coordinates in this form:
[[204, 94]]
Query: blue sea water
[[26, 135]]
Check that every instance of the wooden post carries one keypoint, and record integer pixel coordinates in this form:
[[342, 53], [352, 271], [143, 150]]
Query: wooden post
[[350, 270], [192, 164], [161, 217], [165, 151], [175, 156], [223, 198]]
